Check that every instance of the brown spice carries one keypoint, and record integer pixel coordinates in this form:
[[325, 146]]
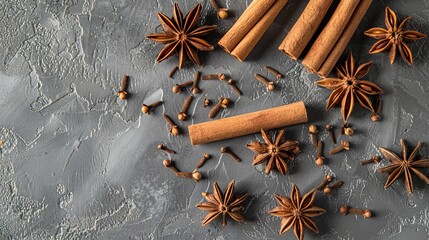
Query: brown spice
[[174, 129], [296, 211], [219, 76], [195, 175], [222, 204], [203, 160], [320, 160], [169, 164], [374, 159], [393, 38], [183, 114], [182, 36], [195, 88], [178, 88], [335, 185], [173, 71], [234, 87], [223, 103], [345, 145], [274, 72], [228, 151], [122, 94], [268, 84], [330, 130], [405, 165], [147, 109], [222, 13], [312, 129], [207, 102], [227, 128], [325, 181], [344, 209], [164, 148]]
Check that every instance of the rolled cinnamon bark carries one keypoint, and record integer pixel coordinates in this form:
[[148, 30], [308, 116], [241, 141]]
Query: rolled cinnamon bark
[[304, 29], [342, 42], [245, 46], [248, 123], [245, 23], [329, 35]]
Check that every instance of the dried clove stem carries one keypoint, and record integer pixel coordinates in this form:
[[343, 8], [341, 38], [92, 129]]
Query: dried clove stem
[[375, 117], [219, 76], [234, 87], [203, 161], [330, 130], [268, 84], [122, 94], [320, 160], [207, 102], [345, 145], [169, 164], [174, 129], [178, 88], [274, 72], [216, 108], [164, 148], [344, 209], [374, 159], [195, 175], [147, 109], [183, 114], [222, 13], [312, 129], [173, 71], [195, 88], [230, 153], [325, 181], [335, 185]]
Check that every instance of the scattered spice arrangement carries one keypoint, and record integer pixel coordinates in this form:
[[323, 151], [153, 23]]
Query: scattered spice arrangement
[[181, 35], [122, 94], [274, 152], [405, 165], [223, 204], [393, 38], [297, 212]]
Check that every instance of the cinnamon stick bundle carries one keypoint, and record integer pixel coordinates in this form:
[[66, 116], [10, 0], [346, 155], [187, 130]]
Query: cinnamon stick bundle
[[249, 123], [304, 29], [344, 39], [324, 43], [250, 27]]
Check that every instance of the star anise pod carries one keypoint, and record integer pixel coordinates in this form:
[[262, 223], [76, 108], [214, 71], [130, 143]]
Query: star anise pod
[[181, 35], [219, 204], [392, 39], [276, 152], [405, 166], [297, 211], [348, 88]]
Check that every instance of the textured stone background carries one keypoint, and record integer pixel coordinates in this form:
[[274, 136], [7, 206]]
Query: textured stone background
[[78, 163]]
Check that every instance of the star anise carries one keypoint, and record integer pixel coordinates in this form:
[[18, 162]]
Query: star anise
[[392, 39], [405, 166], [297, 212], [276, 152], [348, 88], [218, 204], [181, 35]]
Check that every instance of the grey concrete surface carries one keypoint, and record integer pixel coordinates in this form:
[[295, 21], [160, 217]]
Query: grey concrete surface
[[78, 163]]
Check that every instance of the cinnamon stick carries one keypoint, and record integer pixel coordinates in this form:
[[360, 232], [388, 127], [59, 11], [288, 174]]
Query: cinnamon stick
[[248, 123], [304, 29], [342, 42], [245, 23], [329, 35], [249, 41]]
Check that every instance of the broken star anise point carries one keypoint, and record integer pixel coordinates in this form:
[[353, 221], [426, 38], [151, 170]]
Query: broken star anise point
[[222, 204], [274, 152], [405, 165], [297, 212], [393, 38], [348, 88], [182, 35]]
